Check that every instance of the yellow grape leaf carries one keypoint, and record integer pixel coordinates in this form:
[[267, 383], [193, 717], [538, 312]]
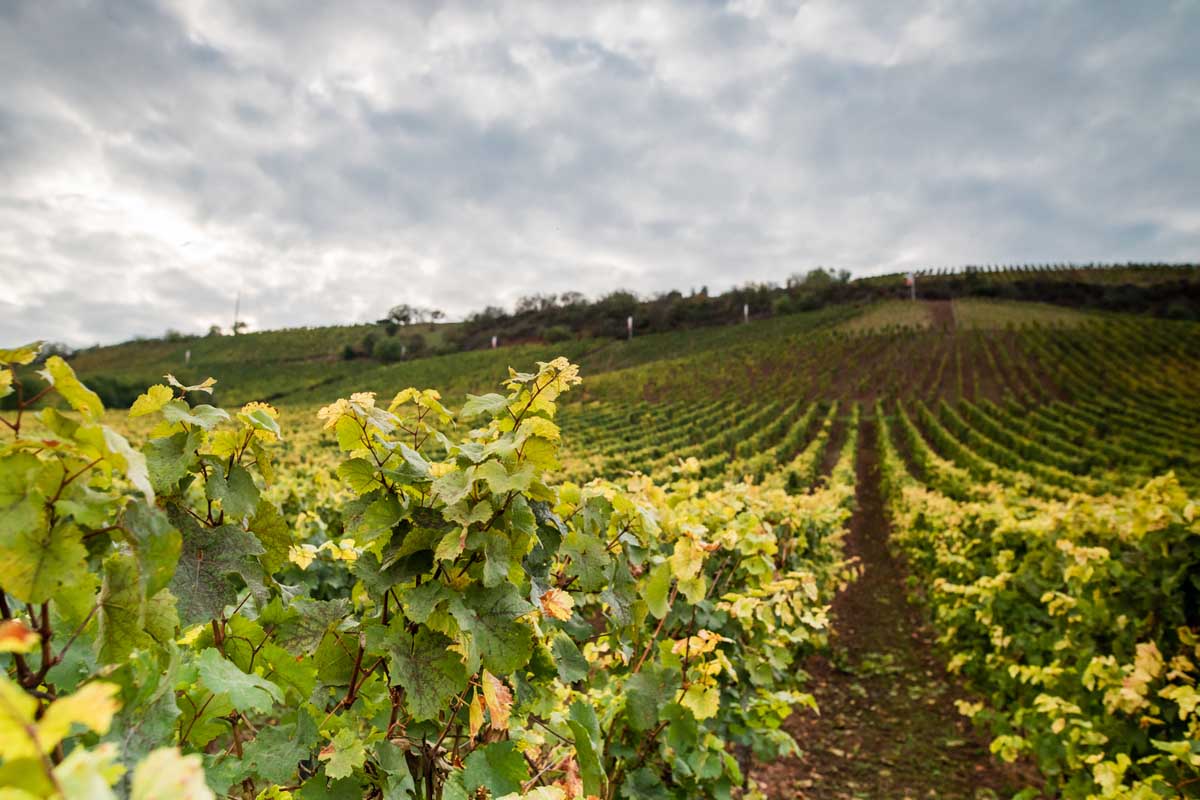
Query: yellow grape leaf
[[686, 560], [702, 701], [206, 386], [557, 604], [476, 715], [21, 355], [81, 398], [499, 700], [89, 773], [6, 382], [16, 637], [16, 718], [92, 706], [153, 400], [168, 773]]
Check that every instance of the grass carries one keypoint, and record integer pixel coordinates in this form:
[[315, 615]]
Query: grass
[[999, 314]]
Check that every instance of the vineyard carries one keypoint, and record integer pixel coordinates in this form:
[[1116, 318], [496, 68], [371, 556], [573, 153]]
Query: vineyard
[[743, 561]]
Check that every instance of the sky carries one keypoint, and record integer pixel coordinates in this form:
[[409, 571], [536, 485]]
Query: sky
[[326, 161]]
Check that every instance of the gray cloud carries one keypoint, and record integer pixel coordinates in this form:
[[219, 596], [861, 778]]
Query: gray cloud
[[330, 160]]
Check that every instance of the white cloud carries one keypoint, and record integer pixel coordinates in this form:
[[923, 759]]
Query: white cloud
[[330, 160]]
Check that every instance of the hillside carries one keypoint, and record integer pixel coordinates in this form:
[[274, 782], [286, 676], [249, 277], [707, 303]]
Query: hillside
[[963, 531], [299, 365]]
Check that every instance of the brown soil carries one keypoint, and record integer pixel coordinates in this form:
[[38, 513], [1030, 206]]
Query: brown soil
[[941, 314], [888, 727]]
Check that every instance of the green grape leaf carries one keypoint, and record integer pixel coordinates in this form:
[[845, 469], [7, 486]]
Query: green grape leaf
[[36, 562], [373, 529], [571, 664], [128, 621], [236, 492], [81, 398], [586, 729], [490, 404], [497, 558], [645, 693], [430, 673], [260, 420], [588, 559], [413, 469], [273, 533], [301, 632], [169, 458], [421, 601], [153, 400], [454, 486], [277, 750], [246, 692], [155, 542], [204, 416], [343, 755], [349, 433], [500, 481], [360, 475], [490, 615], [498, 767], [656, 590], [207, 558]]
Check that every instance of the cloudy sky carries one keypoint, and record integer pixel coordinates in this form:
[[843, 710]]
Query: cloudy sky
[[330, 159]]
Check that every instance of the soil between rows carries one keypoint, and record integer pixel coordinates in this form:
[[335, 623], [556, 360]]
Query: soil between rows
[[888, 727]]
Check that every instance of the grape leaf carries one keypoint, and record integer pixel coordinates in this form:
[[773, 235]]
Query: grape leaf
[[236, 492], [656, 590], [169, 458], [208, 557], [81, 398], [490, 615], [490, 404], [588, 559], [430, 673], [343, 755], [498, 767], [21, 355], [501, 481], [168, 773], [497, 558], [128, 619], [359, 474], [571, 664], [247, 692], [273, 533], [152, 400], [35, 561], [586, 729], [155, 543], [276, 751]]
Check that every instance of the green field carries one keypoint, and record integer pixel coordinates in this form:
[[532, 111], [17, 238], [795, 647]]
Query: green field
[[896, 549]]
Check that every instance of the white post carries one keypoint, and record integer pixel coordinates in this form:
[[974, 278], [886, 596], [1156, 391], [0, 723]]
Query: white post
[[629, 327], [494, 342], [745, 312], [910, 278], [187, 356]]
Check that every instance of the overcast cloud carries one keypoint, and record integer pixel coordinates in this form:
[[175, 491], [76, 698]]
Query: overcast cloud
[[329, 160]]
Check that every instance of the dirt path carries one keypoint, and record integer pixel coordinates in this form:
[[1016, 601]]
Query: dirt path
[[888, 727]]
